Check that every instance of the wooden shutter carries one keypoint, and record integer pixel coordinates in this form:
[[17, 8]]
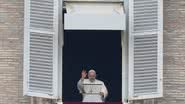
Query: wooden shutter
[[145, 49], [41, 48]]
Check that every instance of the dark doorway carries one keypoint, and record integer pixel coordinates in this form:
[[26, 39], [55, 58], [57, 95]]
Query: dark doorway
[[100, 50]]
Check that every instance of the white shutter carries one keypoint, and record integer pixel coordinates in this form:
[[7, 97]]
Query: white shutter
[[41, 48], [145, 49]]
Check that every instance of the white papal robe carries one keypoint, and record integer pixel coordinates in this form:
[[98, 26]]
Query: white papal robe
[[91, 90]]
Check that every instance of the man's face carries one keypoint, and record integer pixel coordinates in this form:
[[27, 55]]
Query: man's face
[[92, 76]]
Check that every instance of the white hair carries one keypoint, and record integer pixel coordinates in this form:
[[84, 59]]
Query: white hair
[[92, 71]]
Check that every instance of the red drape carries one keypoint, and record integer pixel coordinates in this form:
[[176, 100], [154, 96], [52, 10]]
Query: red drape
[[93, 103]]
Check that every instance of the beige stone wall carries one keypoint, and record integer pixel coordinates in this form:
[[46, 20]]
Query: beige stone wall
[[11, 53], [174, 52], [11, 47]]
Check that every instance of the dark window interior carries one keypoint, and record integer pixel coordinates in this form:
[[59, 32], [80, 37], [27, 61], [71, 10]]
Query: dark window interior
[[100, 50]]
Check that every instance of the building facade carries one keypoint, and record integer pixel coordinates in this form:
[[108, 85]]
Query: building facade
[[11, 54]]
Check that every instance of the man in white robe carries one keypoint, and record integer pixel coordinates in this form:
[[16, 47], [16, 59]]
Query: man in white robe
[[92, 90]]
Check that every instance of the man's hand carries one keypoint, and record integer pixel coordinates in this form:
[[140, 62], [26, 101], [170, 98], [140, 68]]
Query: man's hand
[[102, 94], [83, 74]]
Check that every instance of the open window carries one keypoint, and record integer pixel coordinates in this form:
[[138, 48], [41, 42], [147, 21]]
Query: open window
[[86, 49], [93, 29]]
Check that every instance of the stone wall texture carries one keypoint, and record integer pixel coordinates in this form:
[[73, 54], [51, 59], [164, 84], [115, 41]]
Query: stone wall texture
[[174, 52], [11, 53]]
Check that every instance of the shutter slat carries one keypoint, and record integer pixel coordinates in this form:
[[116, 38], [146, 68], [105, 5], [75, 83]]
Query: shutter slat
[[41, 82], [145, 74], [33, 89], [41, 79], [39, 53], [42, 3], [41, 63], [41, 50], [48, 16], [40, 57], [40, 76], [145, 65], [40, 66], [148, 70], [41, 70], [41, 60], [36, 85], [50, 1]]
